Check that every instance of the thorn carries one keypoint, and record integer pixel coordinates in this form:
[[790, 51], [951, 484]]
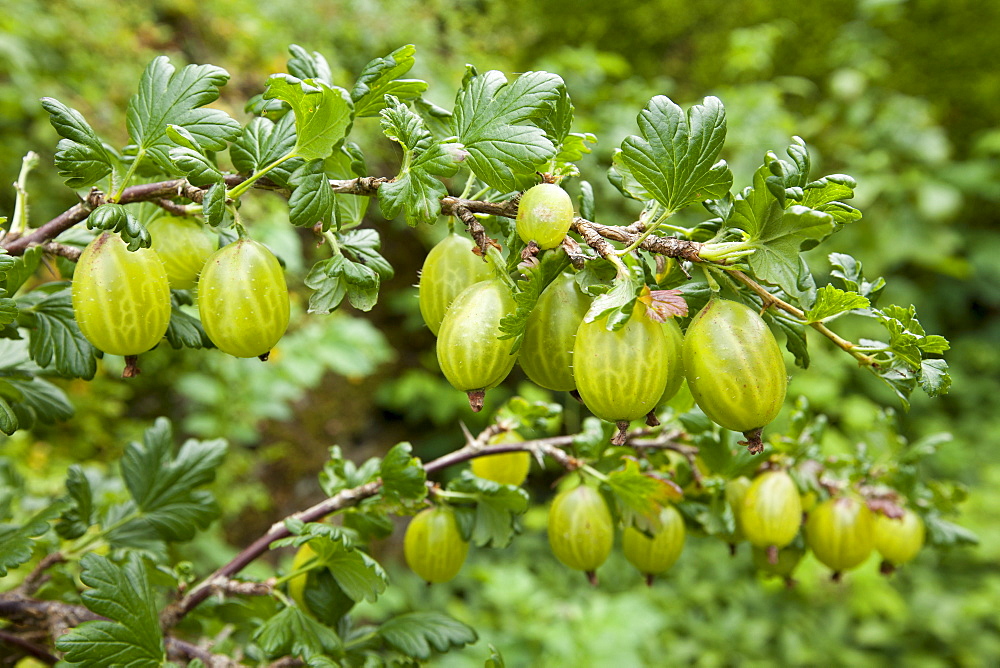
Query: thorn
[[469, 438]]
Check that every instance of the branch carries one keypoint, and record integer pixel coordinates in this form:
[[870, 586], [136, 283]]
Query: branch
[[28, 647]]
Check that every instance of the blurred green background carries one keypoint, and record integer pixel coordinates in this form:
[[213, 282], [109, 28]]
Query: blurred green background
[[902, 95]]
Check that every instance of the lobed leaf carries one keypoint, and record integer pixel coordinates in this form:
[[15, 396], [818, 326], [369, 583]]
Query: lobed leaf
[[55, 339], [323, 114], [264, 142], [497, 508], [380, 78], [16, 543], [416, 634], [293, 633], [81, 157], [311, 203], [403, 477], [832, 302], [534, 279]]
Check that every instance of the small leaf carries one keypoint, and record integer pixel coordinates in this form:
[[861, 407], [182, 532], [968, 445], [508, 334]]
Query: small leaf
[[616, 304], [676, 159], [535, 279], [16, 544], [639, 496], [380, 78], [665, 304], [185, 330], [293, 633], [117, 218], [943, 533], [336, 277], [415, 189], [311, 202], [194, 165], [848, 270], [360, 576], [168, 97], [8, 419], [934, 378], [305, 65], [497, 508], [18, 270], [323, 115], [81, 157], [832, 302], [124, 595], [403, 476], [497, 124], [415, 634], [363, 247], [213, 205], [264, 142], [77, 518]]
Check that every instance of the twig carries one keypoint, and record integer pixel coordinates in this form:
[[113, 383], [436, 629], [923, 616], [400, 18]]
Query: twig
[[69, 252], [37, 577]]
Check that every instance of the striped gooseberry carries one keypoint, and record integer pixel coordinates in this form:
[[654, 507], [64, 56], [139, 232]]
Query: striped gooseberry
[[841, 533], [580, 528], [546, 353], [771, 512], [449, 268], [655, 555], [507, 468], [899, 540], [183, 245], [544, 214], [433, 546]]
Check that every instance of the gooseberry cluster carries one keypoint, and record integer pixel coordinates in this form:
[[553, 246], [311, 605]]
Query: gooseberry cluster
[[121, 298], [730, 358]]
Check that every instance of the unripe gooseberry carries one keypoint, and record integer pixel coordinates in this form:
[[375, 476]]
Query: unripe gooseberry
[[433, 545], [899, 540], [841, 533], [581, 531], [183, 244], [653, 556], [772, 510], [449, 268], [546, 353], [507, 468], [544, 215]]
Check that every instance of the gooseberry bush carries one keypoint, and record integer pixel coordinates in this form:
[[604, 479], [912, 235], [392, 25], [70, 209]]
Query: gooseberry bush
[[665, 327]]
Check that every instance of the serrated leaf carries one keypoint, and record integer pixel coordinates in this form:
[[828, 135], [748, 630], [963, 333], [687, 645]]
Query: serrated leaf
[[16, 544], [77, 518], [497, 508], [338, 276], [117, 218], [8, 419], [55, 337], [780, 241], [934, 377], [124, 595], [588, 206], [832, 302], [339, 473], [438, 119], [306, 532], [415, 190], [347, 163], [328, 289], [81, 157], [8, 310], [293, 633], [305, 65], [164, 486], [360, 576], [415, 634], [262, 143], [363, 246], [168, 97], [185, 330], [497, 124], [42, 399], [795, 335], [194, 165], [17, 270], [616, 304], [943, 533], [676, 160], [907, 338], [380, 78], [639, 496], [403, 476], [323, 115], [311, 202], [848, 271], [901, 377], [213, 205]]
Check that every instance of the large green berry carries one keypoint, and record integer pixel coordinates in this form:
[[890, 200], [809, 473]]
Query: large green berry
[[243, 299], [655, 555], [621, 374], [734, 368], [546, 353], [771, 512], [121, 298], [470, 354], [841, 532], [433, 545], [183, 245], [899, 540], [449, 268], [544, 215], [581, 532]]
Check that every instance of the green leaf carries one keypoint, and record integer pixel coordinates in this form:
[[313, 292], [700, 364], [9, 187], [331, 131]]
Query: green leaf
[[41, 400], [308, 532], [360, 576], [795, 335], [164, 487], [380, 78], [415, 190], [848, 270], [81, 157], [293, 633], [943, 533], [213, 205], [415, 634], [934, 378], [8, 419], [311, 202], [638, 496], [264, 142], [305, 65], [185, 330], [194, 165], [403, 476], [8, 310], [497, 508], [16, 544], [77, 518], [339, 473], [676, 159], [117, 218], [534, 280], [55, 337], [323, 115], [617, 303], [832, 302], [125, 596], [779, 242], [336, 277], [363, 246], [907, 338], [17, 270], [168, 97], [497, 123], [901, 377]]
